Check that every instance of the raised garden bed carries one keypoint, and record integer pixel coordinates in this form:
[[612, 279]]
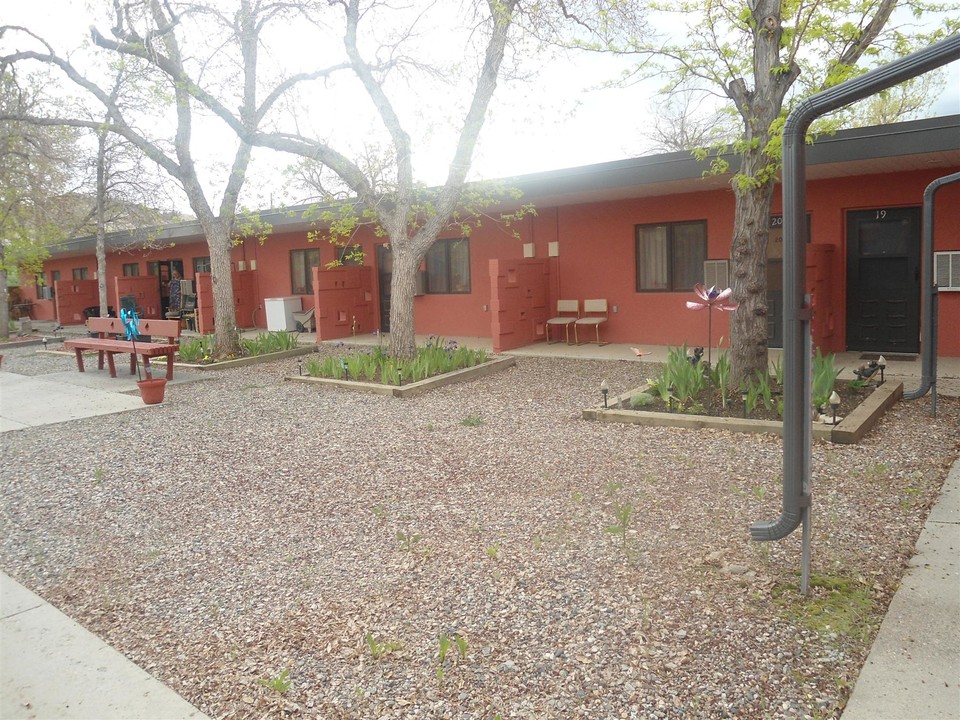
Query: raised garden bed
[[856, 423], [249, 359], [491, 366]]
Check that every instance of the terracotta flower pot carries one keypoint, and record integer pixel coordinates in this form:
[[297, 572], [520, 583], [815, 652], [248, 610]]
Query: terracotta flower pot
[[151, 391]]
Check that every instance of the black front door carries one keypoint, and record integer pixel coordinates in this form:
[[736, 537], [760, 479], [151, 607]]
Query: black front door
[[883, 280], [385, 278]]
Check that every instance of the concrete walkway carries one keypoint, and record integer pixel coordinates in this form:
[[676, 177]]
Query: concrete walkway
[[50, 667], [913, 670]]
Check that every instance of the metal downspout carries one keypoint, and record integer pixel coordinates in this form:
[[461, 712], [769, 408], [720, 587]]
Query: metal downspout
[[797, 426], [928, 282]]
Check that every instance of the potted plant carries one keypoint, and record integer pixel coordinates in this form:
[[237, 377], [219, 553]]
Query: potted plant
[[151, 389]]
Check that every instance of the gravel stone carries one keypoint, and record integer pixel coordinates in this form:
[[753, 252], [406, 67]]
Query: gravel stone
[[250, 525]]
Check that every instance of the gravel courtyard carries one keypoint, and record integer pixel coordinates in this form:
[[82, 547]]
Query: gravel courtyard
[[251, 532]]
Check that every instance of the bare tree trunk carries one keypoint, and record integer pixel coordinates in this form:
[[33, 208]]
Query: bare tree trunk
[[4, 300], [748, 256], [759, 108], [403, 287], [226, 337], [101, 224]]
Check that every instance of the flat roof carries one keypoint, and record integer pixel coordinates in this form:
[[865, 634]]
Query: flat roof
[[897, 147]]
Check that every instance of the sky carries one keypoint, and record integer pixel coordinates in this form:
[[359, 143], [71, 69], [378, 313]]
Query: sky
[[560, 119]]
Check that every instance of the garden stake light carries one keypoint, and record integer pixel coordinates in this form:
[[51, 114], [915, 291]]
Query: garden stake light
[[604, 389], [743, 398], [882, 364], [300, 367], [44, 342], [834, 404], [710, 299]]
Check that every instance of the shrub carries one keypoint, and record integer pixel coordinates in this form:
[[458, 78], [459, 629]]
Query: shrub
[[641, 400]]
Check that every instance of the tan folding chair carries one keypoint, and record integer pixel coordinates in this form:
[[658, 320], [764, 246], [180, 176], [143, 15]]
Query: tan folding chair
[[595, 314], [564, 320]]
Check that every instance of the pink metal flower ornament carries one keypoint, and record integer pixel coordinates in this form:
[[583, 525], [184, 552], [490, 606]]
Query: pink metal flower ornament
[[712, 298]]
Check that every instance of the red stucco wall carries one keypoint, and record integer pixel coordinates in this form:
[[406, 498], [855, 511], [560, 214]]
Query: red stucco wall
[[596, 259]]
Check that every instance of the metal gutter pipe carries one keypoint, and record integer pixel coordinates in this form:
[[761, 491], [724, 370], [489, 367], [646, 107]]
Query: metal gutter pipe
[[928, 282], [797, 428]]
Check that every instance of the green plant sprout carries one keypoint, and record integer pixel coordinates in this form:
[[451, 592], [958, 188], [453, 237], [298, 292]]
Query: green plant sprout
[[472, 421], [408, 541], [445, 645], [281, 683], [379, 650], [622, 513]]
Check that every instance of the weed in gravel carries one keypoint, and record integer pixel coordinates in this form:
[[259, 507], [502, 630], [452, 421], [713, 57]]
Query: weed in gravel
[[280, 683], [379, 650], [472, 421], [493, 550], [759, 492], [446, 643], [622, 514], [838, 606], [98, 476], [379, 511], [408, 541], [612, 488], [911, 499], [878, 471]]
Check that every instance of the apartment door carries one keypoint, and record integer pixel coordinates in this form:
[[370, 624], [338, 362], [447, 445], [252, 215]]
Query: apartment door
[[883, 280]]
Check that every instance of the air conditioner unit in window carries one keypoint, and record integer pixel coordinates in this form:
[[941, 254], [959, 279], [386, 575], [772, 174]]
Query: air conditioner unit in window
[[946, 270], [716, 273]]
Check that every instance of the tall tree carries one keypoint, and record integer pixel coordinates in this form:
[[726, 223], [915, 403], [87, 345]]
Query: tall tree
[[126, 192], [36, 181], [382, 185], [153, 33], [762, 56]]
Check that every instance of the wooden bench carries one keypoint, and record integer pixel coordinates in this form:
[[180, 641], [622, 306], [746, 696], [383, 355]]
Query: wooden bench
[[108, 346]]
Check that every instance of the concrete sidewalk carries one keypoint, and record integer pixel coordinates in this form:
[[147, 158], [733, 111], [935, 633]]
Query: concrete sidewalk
[[38, 400], [50, 667], [913, 670]]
